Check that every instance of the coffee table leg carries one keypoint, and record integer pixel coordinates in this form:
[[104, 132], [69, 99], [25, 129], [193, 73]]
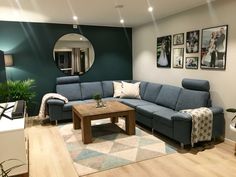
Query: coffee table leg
[[114, 120], [76, 121], [130, 123], [86, 131]]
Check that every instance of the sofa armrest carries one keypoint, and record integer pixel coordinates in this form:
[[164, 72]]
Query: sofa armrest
[[55, 102], [216, 110], [181, 116]]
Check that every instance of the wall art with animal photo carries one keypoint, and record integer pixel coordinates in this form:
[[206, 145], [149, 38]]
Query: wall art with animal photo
[[191, 62], [214, 47], [164, 51]]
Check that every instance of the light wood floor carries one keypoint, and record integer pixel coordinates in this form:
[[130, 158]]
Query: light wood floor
[[49, 158]]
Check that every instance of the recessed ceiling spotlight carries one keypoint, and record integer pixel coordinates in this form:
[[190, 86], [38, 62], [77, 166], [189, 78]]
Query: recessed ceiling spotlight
[[150, 9], [75, 17], [81, 38], [122, 21]]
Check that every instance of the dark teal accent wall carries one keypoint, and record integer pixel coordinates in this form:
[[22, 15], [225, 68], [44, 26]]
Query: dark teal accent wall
[[32, 47]]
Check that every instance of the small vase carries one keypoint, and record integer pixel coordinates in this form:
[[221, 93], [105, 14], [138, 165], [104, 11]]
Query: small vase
[[99, 103]]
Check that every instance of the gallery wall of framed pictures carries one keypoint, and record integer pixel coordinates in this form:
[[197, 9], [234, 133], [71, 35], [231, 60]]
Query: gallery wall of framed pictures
[[206, 48]]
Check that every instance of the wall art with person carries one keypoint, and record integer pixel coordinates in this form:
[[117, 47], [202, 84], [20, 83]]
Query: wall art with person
[[164, 51], [178, 57], [213, 48], [192, 41]]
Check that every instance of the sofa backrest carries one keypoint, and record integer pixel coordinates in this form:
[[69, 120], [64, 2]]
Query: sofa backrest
[[108, 89], [194, 95], [89, 89], [151, 91], [190, 99], [69, 87], [168, 96]]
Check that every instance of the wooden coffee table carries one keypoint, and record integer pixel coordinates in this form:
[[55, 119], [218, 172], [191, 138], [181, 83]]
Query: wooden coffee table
[[83, 114]]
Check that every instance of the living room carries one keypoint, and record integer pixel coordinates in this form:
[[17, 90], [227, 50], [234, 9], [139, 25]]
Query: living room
[[122, 51]]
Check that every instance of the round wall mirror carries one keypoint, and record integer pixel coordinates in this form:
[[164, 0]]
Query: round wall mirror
[[73, 54]]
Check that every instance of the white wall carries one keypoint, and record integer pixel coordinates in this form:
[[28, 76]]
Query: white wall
[[223, 83]]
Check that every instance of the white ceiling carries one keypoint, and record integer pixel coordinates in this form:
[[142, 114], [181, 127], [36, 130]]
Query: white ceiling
[[92, 12]]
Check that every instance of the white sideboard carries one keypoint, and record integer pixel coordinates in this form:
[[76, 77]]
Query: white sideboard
[[13, 143]]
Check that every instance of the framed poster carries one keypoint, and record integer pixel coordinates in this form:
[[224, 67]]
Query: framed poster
[[178, 39], [178, 57], [192, 42], [191, 62], [214, 47], [164, 51]]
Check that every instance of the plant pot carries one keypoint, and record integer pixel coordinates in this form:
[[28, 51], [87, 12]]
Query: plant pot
[[99, 103]]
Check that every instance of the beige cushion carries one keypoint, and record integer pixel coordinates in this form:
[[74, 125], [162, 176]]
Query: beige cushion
[[130, 90], [117, 89]]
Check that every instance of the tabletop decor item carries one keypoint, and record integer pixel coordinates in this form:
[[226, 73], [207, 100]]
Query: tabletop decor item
[[98, 99]]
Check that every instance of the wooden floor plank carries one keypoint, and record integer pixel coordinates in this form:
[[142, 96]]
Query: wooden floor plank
[[50, 158]]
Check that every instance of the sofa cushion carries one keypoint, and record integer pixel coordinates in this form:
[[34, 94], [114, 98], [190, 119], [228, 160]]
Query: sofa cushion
[[70, 91], [164, 115], [149, 109], [108, 89], [195, 84], [89, 89], [68, 106], [142, 87], [117, 89], [168, 96], [130, 90], [134, 102], [189, 99], [151, 91]]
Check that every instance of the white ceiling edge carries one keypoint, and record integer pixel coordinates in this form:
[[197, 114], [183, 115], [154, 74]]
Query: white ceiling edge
[[39, 18]]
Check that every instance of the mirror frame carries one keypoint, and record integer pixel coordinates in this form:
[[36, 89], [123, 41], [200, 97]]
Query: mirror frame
[[69, 54]]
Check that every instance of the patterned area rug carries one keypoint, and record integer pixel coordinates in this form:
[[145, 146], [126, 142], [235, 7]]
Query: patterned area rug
[[111, 147]]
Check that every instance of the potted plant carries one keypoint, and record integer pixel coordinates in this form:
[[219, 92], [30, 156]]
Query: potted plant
[[98, 99], [17, 90]]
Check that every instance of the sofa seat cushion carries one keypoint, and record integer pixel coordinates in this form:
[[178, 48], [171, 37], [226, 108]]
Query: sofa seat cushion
[[68, 106], [89, 89], [163, 116], [149, 109], [190, 99], [168, 96], [134, 102], [110, 99]]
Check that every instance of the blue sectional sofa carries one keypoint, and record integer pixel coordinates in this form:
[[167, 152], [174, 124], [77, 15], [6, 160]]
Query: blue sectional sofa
[[157, 109]]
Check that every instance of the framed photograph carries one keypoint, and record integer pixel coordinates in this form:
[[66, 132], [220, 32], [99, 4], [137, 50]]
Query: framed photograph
[[192, 42], [178, 57], [178, 39], [164, 51], [214, 47], [191, 62]]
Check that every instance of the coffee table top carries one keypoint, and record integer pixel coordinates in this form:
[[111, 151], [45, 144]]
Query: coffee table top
[[89, 109]]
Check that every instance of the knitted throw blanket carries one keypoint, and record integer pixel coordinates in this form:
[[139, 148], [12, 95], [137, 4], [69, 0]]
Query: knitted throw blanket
[[42, 110], [202, 120]]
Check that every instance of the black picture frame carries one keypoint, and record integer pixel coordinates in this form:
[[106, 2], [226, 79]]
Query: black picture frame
[[192, 41], [178, 39], [191, 62], [214, 47], [178, 57], [164, 51]]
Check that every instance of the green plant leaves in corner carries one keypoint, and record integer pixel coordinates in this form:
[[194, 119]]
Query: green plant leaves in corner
[[17, 90]]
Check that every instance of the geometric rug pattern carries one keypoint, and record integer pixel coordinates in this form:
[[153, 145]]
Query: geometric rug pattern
[[111, 147]]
